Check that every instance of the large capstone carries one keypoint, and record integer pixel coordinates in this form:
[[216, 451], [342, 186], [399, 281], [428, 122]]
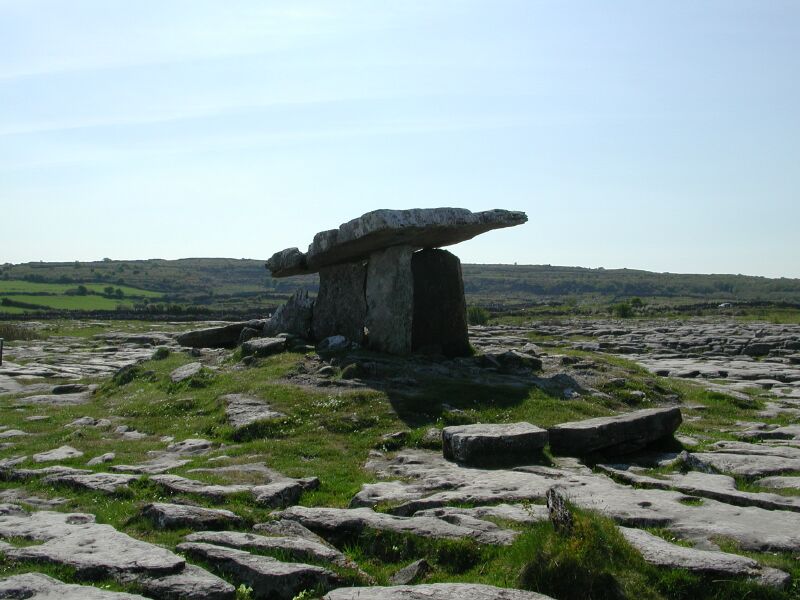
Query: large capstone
[[440, 312], [341, 305], [381, 229], [390, 300]]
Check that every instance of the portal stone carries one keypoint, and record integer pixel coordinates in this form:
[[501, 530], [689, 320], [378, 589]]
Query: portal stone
[[390, 300], [440, 312], [341, 305]]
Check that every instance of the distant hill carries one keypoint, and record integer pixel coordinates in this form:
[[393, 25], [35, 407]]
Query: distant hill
[[225, 284]]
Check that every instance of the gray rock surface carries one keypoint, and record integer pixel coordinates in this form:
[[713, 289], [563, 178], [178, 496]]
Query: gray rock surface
[[780, 483], [662, 553], [60, 453], [269, 577], [390, 300], [169, 516], [411, 573], [182, 485], [192, 583], [293, 317], [433, 591], [494, 444], [266, 346], [243, 410], [36, 586], [341, 304], [440, 311], [159, 464], [75, 540], [98, 482], [344, 523], [620, 433], [297, 548], [185, 372], [224, 336], [381, 229]]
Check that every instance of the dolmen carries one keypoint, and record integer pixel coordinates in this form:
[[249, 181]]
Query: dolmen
[[385, 282]]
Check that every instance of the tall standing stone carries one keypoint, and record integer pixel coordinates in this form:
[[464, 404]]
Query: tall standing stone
[[440, 311], [390, 300], [341, 305]]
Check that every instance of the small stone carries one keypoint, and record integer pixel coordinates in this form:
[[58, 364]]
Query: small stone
[[103, 458], [411, 573], [266, 346], [60, 453], [185, 372], [493, 444]]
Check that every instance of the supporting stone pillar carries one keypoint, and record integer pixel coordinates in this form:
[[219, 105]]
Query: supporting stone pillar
[[390, 300], [341, 305], [440, 311]]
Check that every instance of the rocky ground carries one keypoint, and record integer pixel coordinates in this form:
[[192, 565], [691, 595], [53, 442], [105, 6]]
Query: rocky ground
[[132, 466]]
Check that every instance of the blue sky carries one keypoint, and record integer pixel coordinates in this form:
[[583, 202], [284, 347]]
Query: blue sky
[[662, 135]]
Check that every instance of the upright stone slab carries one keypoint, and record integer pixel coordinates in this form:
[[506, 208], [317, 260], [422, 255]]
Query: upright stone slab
[[390, 300], [341, 305], [440, 311]]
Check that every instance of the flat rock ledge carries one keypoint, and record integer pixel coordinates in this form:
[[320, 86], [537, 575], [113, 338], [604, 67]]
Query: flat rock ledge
[[662, 553], [169, 516], [41, 587], [434, 591], [620, 433], [493, 444], [269, 577]]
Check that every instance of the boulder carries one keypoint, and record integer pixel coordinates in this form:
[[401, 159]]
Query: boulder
[[293, 317], [390, 300], [619, 434], [493, 444], [381, 229], [341, 304], [440, 311], [192, 583], [185, 372]]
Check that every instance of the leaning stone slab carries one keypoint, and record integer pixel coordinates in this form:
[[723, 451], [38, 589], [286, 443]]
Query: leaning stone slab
[[433, 591], [296, 548], [192, 583], [75, 540], [662, 553], [225, 336], [293, 317], [243, 410], [37, 586], [269, 577], [344, 523], [263, 346], [168, 516], [621, 433], [380, 229], [493, 444]]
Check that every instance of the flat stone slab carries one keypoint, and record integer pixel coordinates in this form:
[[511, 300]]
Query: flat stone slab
[[433, 591], [343, 523], [185, 372], [269, 577], [381, 229], [60, 453], [75, 540], [178, 484], [168, 516], [37, 586], [56, 399], [157, 465], [493, 444], [620, 433], [780, 483], [297, 548], [223, 336], [97, 482], [662, 553], [243, 410], [192, 583], [747, 465]]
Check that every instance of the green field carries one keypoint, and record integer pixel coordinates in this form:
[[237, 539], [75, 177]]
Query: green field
[[63, 296], [31, 287]]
